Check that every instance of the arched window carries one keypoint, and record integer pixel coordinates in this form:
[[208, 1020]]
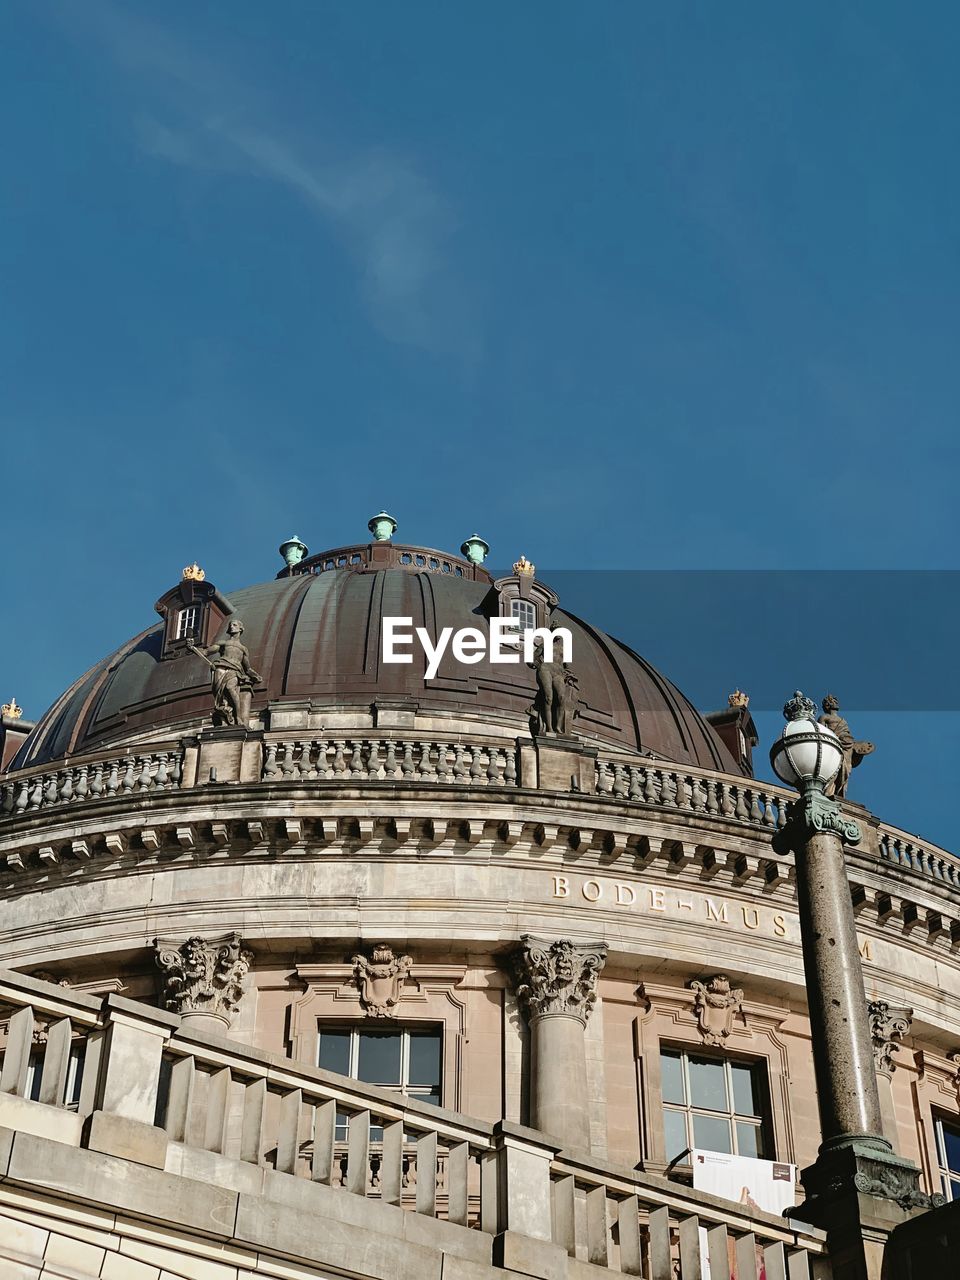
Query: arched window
[[188, 622], [525, 611]]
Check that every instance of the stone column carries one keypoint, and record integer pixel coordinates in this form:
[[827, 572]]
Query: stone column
[[888, 1025], [557, 987], [203, 978]]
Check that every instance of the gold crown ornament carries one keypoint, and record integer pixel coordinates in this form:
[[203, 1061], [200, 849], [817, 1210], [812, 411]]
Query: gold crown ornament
[[738, 699], [11, 710], [524, 568], [193, 573]]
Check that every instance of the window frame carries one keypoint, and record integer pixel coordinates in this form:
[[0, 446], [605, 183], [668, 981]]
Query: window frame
[[403, 1088], [519, 607], [192, 627], [761, 1121], [949, 1178]]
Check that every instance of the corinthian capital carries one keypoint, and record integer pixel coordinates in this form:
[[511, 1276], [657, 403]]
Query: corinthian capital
[[203, 977], [887, 1026], [557, 977]]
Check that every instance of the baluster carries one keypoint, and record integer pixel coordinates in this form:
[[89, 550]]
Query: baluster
[[216, 1102], [604, 777], [375, 767], [358, 1153], [161, 778], [56, 1062], [493, 765], [476, 777], [176, 772], [66, 790], [510, 767], [741, 810], [774, 1262], [179, 1099], [287, 766], [427, 771], [683, 792], [145, 775], [52, 789], [746, 1255], [36, 793], [324, 1137], [756, 813], [689, 1231], [769, 816], [726, 800], [661, 1263], [270, 761], [635, 781], [23, 796], [443, 773], [288, 1140], [253, 1127], [628, 1230], [781, 812], [650, 793], [597, 1252], [564, 1215], [407, 767], [129, 777], [619, 782], [390, 768], [668, 787], [711, 789], [427, 1175], [310, 766], [16, 1057], [697, 799], [717, 1250], [339, 763], [458, 1170], [459, 768], [391, 1163], [356, 759]]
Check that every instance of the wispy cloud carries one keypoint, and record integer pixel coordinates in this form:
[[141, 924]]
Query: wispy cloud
[[391, 218]]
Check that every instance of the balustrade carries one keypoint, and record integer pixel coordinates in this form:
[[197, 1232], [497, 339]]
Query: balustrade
[[92, 780], [390, 759]]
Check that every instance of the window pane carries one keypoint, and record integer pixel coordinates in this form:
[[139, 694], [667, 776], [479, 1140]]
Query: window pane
[[335, 1051], [425, 1058], [671, 1077], [379, 1057], [951, 1146], [746, 1099], [712, 1133], [675, 1132], [707, 1085], [749, 1140], [954, 1191]]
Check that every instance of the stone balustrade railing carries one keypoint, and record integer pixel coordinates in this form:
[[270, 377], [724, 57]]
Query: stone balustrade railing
[[665, 786], [91, 780], [386, 759], [146, 1085], [903, 850]]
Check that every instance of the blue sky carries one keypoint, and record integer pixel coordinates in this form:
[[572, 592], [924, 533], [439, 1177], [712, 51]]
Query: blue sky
[[620, 286]]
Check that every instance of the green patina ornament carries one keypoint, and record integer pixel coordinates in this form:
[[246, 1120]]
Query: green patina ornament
[[293, 551], [814, 814], [382, 526], [475, 549]]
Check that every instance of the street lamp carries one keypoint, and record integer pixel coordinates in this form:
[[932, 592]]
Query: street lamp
[[854, 1160]]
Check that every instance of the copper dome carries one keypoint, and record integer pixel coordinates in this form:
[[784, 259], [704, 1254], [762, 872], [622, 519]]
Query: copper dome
[[314, 636]]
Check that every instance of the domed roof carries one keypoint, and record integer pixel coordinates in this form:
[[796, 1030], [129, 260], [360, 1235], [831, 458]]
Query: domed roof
[[314, 636]]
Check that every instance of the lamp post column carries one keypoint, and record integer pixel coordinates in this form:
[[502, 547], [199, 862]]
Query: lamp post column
[[859, 1189], [557, 987]]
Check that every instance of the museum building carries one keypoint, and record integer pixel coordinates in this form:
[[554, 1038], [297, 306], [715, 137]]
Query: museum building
[[310, 965]]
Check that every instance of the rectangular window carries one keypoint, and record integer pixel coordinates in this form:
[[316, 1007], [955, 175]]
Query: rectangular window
[[188, 621], [525, 612], [404, 1059], [715, 1104], [948, 1156]]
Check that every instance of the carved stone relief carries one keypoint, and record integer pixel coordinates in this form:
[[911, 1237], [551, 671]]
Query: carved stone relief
[[888, 1025], [558, 977], [380, 980], [203, 977], [715, 1004]]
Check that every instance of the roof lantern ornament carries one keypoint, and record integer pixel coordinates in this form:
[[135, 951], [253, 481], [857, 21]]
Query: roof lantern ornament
[[738, 699], [524, 568], [11, 710], [808, 756], [382, 526], [475, 549], [192, 573], [293, 551]]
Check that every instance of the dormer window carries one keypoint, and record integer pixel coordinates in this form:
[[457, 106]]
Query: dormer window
[[188, 622], [526, 612]]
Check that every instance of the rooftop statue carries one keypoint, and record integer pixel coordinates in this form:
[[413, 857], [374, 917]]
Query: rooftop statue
[[558, 692], [853, 751], [233, 678]]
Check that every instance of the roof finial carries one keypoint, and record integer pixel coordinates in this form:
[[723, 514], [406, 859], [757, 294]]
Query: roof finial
[[475, 549], [11, 710], [738, 699], [524, 568], [382, 526], [293, 551], [192, 573]]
